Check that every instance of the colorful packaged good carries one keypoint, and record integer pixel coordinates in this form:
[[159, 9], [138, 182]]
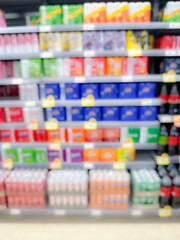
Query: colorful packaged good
[[2, 19], [90, 89], [5, 135], [110, 113], [54, 135], [95, 66], [11, 153], [74, 67], [22, 135], [77, 114], [127, 90], [133, 133], [48, 89], [72, 91], [126, 154], [114, 40], [94, 135], [76, 135], [129, 113], [75, 41], [147, 113], [111, 135], [171, 12], [91, 155], [2, 115], [58, 113], [149, 135], [14, 114], [117, 12], [40, 135], [34, 113], [53, 67], [146, 90], [28, 92], [31, 68], [53, 154], [93, 40], [74, 155], [139, 12], [50, 15], [32, 20], [92, 112], [95, 12], [116, 66], [27, 155], [137, 65], [138, 40], [41, 155], [108, 155], [108, 90], [73, 14]]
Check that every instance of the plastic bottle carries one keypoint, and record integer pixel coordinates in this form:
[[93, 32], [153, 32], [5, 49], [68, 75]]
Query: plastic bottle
[[162, 171], [166, 185], [163, 140], [164, 97], [176, 192], [173, 101], [173, 173], [173, 141]]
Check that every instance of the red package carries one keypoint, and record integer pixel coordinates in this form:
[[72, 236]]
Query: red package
[[5, 135], [93, 135], [95, 66], [12, 90], [2, 115], [111, 135], [40, 135], [76, 67], [14, 114], [138, 66], [22, 135]]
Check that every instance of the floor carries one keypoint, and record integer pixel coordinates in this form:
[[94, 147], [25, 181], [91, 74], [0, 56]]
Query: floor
[[92, 228]]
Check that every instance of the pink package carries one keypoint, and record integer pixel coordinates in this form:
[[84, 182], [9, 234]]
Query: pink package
[[2, 68], [7, 43], [21, 43], [14, 43], [2, 46], [95, 66], [28, 42], [9, 69], [35, 42], [2, 19], [3, 91]]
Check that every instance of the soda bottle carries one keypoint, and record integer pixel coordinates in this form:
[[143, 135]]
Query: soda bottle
[[176, 192], [162, 171], [173, 141], [163, 140], [166, 185], [178, 152], [173, 101], [173, 173], [164, 97]]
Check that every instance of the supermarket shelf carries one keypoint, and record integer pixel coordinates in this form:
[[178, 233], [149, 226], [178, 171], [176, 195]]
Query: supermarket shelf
[[19, 81], [165, 118], [77, 124], [172, 159], [90, 27], [105, 53]]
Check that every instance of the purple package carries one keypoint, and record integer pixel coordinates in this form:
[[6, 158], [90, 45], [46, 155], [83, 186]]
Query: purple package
[[63, 155], [93, 40], [114, 40], [76, 155], [52, 154]]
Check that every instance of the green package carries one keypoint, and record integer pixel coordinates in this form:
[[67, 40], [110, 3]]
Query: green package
[[12, 153], [41, 156], [50, 15], [53, 67], [73, 14], [134, 133], [28, 155], [32, 20], [31, 68], [149, 135]]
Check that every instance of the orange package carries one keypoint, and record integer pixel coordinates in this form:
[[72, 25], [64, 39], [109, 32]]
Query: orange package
[[108, 155], [94, 135], [139, 12], [58, 134], [117, 12], [91, 155], [111, 134], [94, 12], [76, 135], [116, 66]]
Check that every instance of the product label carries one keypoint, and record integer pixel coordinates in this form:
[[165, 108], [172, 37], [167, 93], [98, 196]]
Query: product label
[[55, 164], [45, 28], [48, 102], [88, 101], [169, 77], [127, 78], [128, 144], [47, 54], [89, 53], [119, 165], [163, 140], [145, 102], [31, 104], [163, 159], [6, 145], [33, 125], [174, 25], [172, 141], [170, 53], [51, 125], [88, 27], [7, 164], [134, 52], [165, 212], [54, 145], [176, 120], [79, 79], [91, 124]]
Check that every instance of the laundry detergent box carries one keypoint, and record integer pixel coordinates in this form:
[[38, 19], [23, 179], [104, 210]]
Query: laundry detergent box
[[53, 135], [53, 67], [92, 112], [27, 155], [146, 90], [10, 153], [110, 113], [129, 113], [108, 155], [58, 113], [41, 155], [48, 89], [90, 89], [77, 114], [111, 134], [149, 135], [74, 155], [108, 90], [72, 91], [22, 135], [76, 135], [133, 133], [94, 135], [31, 68], [91, 155], [6, 135], [148, 113], [127, 90]]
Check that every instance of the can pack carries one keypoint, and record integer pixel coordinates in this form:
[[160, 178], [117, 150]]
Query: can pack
[[90, 89], [110, 113], [127, 90], [129, 113], [50, 15], [72, 91], [146, 90], [77, 114], [49, 89], [73, 14], [108, 90], [92, 112], [95, 66], [147, 113], [93, 40], [58, 113], [114, 40]]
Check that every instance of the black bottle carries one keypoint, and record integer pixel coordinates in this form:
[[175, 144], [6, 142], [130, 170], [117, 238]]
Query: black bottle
[[176, 192], [163, 140], [174, 101], [164, 97], [166, 185], [173, 141]]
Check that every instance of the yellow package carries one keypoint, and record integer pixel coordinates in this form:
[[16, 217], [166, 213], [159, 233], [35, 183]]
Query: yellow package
[[124, 155], [75, 41], [43, 41], [65, 41]]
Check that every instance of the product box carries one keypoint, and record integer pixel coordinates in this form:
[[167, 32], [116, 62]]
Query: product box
[[31, 68], [108, 90], [28, 92], [75, 155], [11, 153], [111, 135], [149, 135], [91, 155], [76, 135], [77, 114], [32, 20], [94, 135], [138, 40], [94, 12], [146, 90], [117, 12], [50, 15], [53, 135], [5, 135], [22, 135], [14, 114], [73, 67], [73, 14], [133, 133], [33, 113], [28, 155], [148, 113], [108, 155], [51, 41], [53, 67], [126, 154], [90, 89], [58, 113], [41, 155], [127, 90], [114, 40], [48, 89], [72, 91], [2, 115], [110, 113], [93, 40], [53, 154], [116, 66], [92, 112], [40, 135], [137, 65], [139, 12], [95, 66], [129, 113], [75, 41]]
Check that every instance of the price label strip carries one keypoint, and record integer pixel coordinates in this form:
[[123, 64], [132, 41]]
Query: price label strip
[[134, 52], [91, 124], [55, 164], [170, 52], [88, 27], [169, 77], [48, 102], [128, 144], [47, 54], [7, 164], [51, 125], [45, 28], [163, 159], [165, 212], [89, 54], [31, 104], [88, 101], [79, 79]]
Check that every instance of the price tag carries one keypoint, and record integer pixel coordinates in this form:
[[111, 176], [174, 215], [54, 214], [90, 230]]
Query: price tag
[[169, 77], [48, 102], [165, 212], [17, 81], [89, 53], [60, 212], [91, 124], [128, 144], [88, 101], [170, 52], [127, 79], [31, 104], [7, 164], [33, 125], [174, 25], [163, 159], [134, 52], [55, 145], [145, 102], [51, 125], [88, 165], [119, 165], [165, 118], [46, 54], [88, 27], [79, 79], [6, 145], [96, 212], [136, 213], [89, 146], [55, 164], [45, 28], [176, 120], [15, 211]]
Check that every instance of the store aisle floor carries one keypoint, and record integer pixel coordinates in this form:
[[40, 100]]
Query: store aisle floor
[[52, 228]]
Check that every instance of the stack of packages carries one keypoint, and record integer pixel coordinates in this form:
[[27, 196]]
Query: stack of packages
[[170, 12], [25, 188], [68, 189], [109, 189], [146, 189], [3, 175]]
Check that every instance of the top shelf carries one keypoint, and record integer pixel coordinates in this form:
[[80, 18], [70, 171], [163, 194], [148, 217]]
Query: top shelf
[[91, 27]]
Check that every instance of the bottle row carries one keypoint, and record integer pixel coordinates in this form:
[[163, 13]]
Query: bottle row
[[139, 135]]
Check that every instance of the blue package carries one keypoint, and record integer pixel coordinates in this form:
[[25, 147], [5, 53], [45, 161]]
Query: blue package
[[77, 113], [72, 91], [129, 113], [108, 90], [146, 90], [49, 89], [110, 113], [172, 64], [148, 113], [127, 90], [58, 113], [92, 112], [90, 89]]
